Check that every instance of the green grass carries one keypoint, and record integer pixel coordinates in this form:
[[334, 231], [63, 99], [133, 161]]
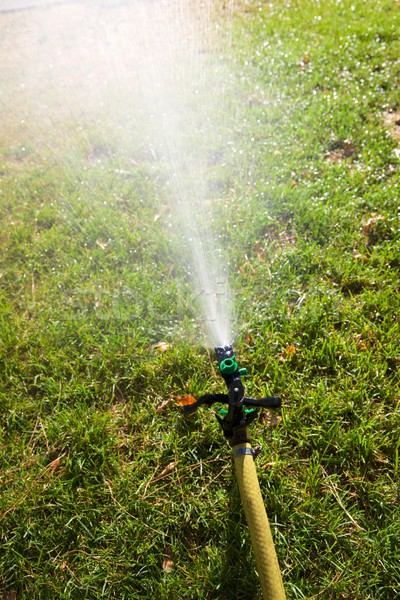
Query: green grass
[[100, 481]]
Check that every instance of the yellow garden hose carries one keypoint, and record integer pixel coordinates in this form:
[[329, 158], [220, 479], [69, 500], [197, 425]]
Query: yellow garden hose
[[260, 532]]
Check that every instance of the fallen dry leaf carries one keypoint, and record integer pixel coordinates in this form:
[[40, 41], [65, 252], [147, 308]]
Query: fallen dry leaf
[[101, 244], [286, 238], [270, 418], [246, 265], [255, 99], [287, 354], [161, 346], [169, 468], [359, 256], [268, 464], [259, 250], [249, 338], [186, 400], [168, 560], [53, 466], [304, 62], [163, 405], [372, 229], [372, 223], [361, 344]]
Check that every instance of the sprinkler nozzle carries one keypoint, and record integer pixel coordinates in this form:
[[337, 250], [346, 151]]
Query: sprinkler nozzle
[[228, 366]]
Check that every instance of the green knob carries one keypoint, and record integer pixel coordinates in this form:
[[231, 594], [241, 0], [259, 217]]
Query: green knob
[[228, 366], [242, 372]]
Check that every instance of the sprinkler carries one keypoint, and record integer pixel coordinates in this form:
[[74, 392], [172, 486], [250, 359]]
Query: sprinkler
[[240, 411]]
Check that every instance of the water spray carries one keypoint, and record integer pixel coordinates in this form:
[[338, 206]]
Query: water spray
[[240, 411]]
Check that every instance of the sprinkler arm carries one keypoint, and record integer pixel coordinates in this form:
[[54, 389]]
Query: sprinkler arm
[[210, 399]]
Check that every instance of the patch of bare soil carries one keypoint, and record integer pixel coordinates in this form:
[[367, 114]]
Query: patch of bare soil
[[340, 149], [391, 119]]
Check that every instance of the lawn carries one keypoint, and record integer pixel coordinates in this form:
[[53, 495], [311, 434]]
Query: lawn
[[107, 489]]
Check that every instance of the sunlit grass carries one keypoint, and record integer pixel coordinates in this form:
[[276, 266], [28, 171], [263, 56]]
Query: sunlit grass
[[106, 489]]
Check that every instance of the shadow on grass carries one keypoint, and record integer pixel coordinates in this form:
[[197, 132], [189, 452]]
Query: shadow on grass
[[238, 579]]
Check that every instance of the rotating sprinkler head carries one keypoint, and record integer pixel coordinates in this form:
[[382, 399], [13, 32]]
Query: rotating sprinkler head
[[241, 410]]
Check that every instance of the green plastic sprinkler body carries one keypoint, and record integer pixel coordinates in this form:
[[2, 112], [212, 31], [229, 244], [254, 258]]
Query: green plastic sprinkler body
[[234, 420]]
